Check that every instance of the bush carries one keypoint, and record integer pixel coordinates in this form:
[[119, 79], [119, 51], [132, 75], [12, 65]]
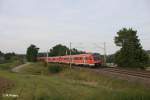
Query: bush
[[43, 97], [54, 68]]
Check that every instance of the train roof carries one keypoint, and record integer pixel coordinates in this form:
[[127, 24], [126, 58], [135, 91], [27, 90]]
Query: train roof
[[77, 55], [74, 55]]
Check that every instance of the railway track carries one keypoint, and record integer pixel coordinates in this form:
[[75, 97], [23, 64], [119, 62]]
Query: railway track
[[137, 73], [121, 71]]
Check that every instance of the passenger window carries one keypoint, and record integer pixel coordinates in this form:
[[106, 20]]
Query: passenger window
[[86, 58]]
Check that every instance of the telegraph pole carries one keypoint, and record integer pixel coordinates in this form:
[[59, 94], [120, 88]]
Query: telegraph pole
[[105, 59], [70, 57], [104, 49], [47, 58]]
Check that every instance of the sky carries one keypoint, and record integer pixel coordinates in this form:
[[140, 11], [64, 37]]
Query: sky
[[87, 24]]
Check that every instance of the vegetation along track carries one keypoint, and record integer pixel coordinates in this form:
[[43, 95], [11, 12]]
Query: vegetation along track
[[122, 71], [131, 72]]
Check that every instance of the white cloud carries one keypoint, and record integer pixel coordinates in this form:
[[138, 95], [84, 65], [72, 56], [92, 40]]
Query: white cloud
[[23, 22]]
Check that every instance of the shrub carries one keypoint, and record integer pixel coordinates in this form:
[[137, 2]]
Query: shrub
[[54, 68], [43, 97]]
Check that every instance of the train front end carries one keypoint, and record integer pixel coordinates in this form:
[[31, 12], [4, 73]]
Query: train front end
[[97, 60]]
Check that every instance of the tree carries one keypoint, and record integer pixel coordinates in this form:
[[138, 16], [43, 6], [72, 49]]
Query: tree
[[131, 53], [61, 50], [1, 53], [9, 56], [1, 57], [110, 58], [32, 52], [75, 51], [148, 52]]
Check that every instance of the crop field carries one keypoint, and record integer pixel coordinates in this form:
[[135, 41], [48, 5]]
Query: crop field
[[35, 82]]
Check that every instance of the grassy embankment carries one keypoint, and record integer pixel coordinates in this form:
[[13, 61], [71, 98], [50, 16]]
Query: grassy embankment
[[7, 84], [35, 83], [10, 65]]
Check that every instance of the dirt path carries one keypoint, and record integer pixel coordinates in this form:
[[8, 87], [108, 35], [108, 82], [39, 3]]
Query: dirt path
[[17, 69]]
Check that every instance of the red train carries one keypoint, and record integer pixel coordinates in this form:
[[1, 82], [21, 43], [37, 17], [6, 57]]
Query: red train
[[80, 59]]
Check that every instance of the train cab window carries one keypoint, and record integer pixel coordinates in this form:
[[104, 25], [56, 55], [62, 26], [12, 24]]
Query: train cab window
[[96, 58]]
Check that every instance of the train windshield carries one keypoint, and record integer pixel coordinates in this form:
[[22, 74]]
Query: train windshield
[[96, 56]]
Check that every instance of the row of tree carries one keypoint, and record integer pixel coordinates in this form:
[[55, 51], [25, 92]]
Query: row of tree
[[131, 53], [61, 50], [58, 50], [6, 57]]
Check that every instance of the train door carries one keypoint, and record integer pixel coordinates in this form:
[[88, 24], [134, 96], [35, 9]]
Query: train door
[[84, 60]]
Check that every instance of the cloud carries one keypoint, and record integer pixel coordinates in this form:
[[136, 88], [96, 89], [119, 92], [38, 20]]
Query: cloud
[[48, 22], [25, 27]]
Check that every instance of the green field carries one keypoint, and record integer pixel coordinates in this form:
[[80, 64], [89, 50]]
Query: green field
[[35, 83]]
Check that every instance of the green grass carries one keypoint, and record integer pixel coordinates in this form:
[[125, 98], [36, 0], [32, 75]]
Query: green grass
[[74, 84], [35, 69], [10, 65], [55, 69]]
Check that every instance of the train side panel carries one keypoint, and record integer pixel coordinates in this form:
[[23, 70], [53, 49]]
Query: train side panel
[[81, 59]]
